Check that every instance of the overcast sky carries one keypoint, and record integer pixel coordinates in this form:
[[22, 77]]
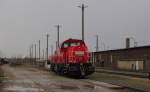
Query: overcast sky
[[24, 22]]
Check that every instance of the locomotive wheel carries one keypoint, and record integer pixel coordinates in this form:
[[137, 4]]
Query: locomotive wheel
[[52, 67], [59, 69], [55, 69], [62, 71]]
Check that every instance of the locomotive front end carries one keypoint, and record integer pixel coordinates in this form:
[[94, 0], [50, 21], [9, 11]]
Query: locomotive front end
[[72, 58], [78, 59]]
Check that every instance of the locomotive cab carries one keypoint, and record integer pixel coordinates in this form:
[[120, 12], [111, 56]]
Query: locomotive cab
[[75, 51]]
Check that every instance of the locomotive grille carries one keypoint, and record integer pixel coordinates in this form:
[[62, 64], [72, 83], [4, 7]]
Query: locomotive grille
[[79, 53]]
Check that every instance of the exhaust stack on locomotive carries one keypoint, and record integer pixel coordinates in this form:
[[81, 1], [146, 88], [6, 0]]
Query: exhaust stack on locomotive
[[72, 58]]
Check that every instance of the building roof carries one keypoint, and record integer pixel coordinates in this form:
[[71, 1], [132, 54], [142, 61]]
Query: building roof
[[125, 49]]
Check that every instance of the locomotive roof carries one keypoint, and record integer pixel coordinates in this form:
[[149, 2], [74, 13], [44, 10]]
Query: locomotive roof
[[73, 40]]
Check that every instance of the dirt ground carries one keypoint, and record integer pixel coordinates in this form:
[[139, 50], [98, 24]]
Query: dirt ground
[[27, 79], [1, 75]]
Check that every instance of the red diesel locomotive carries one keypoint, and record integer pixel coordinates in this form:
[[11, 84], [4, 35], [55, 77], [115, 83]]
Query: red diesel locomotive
[[72, 58]]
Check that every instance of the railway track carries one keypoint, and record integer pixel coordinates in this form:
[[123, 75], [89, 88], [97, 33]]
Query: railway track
[[126, 73]]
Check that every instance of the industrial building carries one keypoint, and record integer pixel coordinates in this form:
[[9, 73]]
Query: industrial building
[[130, 59], [135, 59]]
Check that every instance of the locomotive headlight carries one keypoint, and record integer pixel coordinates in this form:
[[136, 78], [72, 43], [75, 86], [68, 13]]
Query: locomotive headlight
[[79, 53]]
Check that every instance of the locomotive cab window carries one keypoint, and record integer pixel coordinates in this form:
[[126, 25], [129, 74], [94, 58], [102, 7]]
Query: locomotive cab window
[[75, 44], [65, 45]]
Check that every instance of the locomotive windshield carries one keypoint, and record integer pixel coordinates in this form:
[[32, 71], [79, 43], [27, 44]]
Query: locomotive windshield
[[75, 44], [66, 45]]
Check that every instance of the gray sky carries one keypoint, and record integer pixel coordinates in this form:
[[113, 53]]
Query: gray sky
[[23, 22]]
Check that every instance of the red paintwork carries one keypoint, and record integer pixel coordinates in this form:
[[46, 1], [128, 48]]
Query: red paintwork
[[68, 55]]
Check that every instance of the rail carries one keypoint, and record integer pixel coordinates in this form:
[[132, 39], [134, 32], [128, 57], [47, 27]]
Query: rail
[[126, 73]]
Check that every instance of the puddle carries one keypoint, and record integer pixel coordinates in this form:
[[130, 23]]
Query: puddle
[[22, 89]]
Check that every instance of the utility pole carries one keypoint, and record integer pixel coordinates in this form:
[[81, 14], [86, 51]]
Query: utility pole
[[32, 50], [46, 54], [35, 52], [47, 36], [51, 50], [30, 53], [83, 7], [56, 45], [58, 28], [97, 45], [39, 49], [43, 54]]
